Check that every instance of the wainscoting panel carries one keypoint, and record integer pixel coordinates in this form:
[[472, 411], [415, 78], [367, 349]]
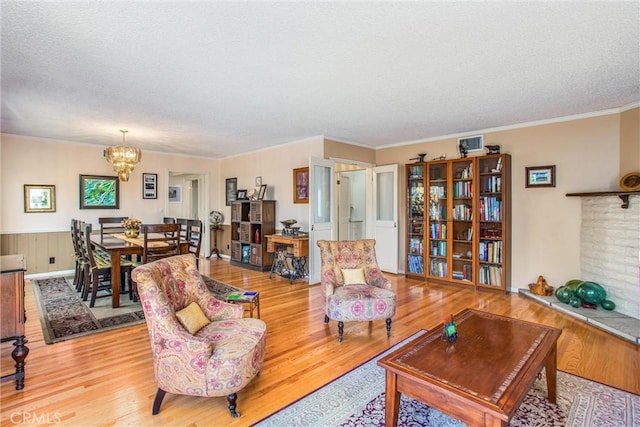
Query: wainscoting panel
[[38, 248]]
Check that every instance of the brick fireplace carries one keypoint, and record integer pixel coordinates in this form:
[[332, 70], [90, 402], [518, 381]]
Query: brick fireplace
[[610, 248]]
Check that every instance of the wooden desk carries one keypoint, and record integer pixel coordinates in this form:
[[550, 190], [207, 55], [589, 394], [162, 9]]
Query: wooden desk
[[280, 245], [482, 377], [300, 244], [13, 313], [118, 247]]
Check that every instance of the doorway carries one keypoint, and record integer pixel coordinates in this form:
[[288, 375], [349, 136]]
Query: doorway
[[190, 200]]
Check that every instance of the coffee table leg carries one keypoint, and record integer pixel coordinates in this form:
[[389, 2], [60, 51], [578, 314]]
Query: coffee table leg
[[550, 366], [392, 400]]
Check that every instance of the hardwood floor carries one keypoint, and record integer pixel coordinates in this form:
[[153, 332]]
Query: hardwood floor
[[107, 378]]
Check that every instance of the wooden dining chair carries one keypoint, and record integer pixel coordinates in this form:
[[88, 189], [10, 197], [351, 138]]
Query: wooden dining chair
[[111, 225], [97, 271], [160, 241], [191, 231]]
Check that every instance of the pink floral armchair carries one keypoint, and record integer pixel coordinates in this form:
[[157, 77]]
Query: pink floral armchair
[[353, 286], [221, 358]]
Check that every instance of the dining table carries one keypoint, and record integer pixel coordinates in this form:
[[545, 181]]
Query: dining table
[[119, 245]]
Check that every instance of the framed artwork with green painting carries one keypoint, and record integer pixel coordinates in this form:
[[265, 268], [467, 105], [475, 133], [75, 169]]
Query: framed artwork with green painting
[[99, 192]]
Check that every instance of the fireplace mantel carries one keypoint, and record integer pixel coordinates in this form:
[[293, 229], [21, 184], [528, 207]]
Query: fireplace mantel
[[624, 195]]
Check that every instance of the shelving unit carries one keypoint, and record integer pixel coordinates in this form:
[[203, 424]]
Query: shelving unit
[[251, 220], [464, 239]]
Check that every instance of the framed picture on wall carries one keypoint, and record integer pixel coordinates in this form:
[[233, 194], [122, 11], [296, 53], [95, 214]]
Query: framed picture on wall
[[175, 194], [541, 176], [99, 192], [39, 198], [231, 188], [149, 185], [301, 185]]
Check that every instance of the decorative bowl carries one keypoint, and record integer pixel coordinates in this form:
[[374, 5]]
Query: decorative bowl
[[288, 222]]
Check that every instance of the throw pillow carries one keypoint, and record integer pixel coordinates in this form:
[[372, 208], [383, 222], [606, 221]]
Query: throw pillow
[[192, 318], [353, 276]]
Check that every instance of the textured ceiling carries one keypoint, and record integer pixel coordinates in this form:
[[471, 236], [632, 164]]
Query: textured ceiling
[[217, 79]]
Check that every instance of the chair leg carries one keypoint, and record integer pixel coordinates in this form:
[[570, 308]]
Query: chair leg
[[158, 401], [388, 327], [231, 398], [326, 319], [340, 330]]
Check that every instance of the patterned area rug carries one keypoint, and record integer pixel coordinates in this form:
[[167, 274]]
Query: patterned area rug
[[358, 399], [64, 316]]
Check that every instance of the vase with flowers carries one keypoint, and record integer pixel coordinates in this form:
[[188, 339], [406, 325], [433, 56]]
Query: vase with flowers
[[131, 227]]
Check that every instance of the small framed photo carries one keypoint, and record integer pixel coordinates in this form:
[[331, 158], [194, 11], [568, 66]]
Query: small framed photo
[[301, 185], [242, 195], [99, 192], [262, 192], [231, 190], [149, 185], [541, 176], [175, 194], [39, 198]]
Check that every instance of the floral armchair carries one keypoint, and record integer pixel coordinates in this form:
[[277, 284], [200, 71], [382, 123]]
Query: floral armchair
[[353, 286], [218, 359]]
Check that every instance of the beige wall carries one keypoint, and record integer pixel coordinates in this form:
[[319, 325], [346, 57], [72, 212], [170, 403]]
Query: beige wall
[[587, 154], [545, 223], [275, 166], [341, 150], [630, 141]]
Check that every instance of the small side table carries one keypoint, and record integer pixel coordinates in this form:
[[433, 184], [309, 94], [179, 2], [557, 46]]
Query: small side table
[[252, 299], [215, 250]]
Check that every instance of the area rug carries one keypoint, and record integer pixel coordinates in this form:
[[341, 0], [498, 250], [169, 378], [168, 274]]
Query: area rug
[[358, 399], [64, 316]]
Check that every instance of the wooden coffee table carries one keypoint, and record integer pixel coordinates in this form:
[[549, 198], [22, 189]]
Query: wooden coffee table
[[482, 377]]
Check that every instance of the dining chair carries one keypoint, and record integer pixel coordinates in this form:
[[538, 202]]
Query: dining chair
[[160, 241], [78, 278], [191, 231], [97, 271], [111, 225]]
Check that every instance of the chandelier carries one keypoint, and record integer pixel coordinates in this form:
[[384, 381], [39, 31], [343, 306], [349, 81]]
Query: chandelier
[[123, 158]]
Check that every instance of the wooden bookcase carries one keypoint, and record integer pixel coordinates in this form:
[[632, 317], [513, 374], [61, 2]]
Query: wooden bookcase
[[459, 221], [251, 220]]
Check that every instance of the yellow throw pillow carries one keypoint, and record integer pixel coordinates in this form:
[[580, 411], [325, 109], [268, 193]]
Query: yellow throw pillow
[[353, 276], [192, 318]]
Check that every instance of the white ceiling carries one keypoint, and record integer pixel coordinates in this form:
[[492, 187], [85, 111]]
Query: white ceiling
[[216, 79]]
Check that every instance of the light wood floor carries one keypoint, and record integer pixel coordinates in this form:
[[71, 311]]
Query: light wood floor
[[107, 378]]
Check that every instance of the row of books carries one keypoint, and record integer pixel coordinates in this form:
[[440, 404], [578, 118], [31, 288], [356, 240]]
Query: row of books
[[490, 208], [493, 184], [437, 212], [415, 264], [438, 268], [462, 189], [438, 231], [465, 274], [490, 275], [416, 171], [466, 173], [437, 192], [462, 212], [490, 251], [439, 248], [415, 246]]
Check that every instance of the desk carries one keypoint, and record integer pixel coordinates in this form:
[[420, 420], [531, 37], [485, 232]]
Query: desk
[[482, 377], [118, 247], [295, 248]]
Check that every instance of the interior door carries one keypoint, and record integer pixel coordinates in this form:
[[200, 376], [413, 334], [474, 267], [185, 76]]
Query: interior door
[[322, 224], [385, 216], [344, 207]]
